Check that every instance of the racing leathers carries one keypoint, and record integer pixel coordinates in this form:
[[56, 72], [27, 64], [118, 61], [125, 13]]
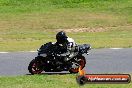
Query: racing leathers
[[69, 48]]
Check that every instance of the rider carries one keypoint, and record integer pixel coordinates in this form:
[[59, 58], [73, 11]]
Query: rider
[[68, 44]]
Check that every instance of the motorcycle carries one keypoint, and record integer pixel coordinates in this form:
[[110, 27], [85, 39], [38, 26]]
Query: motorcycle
[[48, 59]]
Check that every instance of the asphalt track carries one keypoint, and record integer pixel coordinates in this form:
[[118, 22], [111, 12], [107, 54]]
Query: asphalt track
[[98, 61]]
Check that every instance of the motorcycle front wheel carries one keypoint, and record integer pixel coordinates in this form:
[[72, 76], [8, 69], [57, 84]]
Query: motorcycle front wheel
[[82, 62], [35, 67]]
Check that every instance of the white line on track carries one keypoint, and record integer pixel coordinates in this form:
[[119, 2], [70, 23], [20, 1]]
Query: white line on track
[[32, 51], [18, 51], [4, 52], [36, 51]]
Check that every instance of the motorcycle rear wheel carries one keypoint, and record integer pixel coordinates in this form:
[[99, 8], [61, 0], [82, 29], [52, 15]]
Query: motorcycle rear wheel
[[82, 63], [35, 67]]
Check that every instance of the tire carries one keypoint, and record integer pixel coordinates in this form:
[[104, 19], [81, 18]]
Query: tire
[[82, 63], [34, 67]]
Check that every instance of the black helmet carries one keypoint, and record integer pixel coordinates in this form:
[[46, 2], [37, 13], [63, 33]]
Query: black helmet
[[61, 37]]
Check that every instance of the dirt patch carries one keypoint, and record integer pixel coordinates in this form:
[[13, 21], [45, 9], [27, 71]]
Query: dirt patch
[[101, 29], [97, 29]]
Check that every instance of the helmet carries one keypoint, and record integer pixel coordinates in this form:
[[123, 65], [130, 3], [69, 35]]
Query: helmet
[[61, 37]]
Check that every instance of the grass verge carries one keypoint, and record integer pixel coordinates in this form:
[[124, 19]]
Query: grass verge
[[32, 41], [51, 81]]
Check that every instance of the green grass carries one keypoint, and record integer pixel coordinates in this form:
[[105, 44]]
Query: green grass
[[51, 81], [26, 24], [33, 40]]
